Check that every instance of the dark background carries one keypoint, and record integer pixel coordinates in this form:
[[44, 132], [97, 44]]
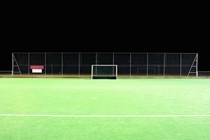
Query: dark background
[[64, 32]]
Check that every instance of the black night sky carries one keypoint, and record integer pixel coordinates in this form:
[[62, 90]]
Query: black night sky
[[64, 32]]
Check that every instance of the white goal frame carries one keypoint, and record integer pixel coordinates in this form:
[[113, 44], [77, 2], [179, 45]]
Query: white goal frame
[[95, 65]]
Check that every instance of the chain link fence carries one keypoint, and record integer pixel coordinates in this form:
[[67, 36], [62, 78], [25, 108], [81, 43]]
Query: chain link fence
[[129, 64]]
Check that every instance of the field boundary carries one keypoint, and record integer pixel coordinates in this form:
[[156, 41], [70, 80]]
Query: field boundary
[[86, 76], [106, 116]]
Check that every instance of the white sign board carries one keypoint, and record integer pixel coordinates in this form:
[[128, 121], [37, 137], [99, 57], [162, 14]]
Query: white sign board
[[36, 70]]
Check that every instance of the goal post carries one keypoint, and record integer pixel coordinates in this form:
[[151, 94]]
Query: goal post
[[103, 71]]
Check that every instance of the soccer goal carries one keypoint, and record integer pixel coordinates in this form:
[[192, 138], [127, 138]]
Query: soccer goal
[[103, 71]]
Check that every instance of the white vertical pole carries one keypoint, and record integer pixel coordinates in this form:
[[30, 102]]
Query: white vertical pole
[[45, 63], [147, 64], [116, 71], [197, 65], [113, 63], [12, 65], [180, 64], [164, 63], [91, 72], [130, 64], [62, 63]]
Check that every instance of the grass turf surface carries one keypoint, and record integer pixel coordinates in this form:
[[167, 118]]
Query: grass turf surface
[[48, 96]]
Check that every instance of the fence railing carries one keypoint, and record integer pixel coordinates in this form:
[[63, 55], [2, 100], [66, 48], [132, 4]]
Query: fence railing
[[204, 73], [132, 64]]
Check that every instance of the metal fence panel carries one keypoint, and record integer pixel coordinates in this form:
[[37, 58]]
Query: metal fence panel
[[132, 64]]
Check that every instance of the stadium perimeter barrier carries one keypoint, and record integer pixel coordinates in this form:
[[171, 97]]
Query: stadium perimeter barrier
[[130, 64]]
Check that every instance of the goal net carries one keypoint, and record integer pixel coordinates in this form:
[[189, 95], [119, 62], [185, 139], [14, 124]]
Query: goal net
[[103, 71]]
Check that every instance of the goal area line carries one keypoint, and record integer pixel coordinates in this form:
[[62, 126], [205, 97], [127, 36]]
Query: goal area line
[[105, 116]]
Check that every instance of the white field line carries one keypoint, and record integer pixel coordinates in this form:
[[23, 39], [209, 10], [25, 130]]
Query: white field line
[[103, 116]]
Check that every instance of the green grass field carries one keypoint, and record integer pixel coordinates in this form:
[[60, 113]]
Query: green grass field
[[123, 109]]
